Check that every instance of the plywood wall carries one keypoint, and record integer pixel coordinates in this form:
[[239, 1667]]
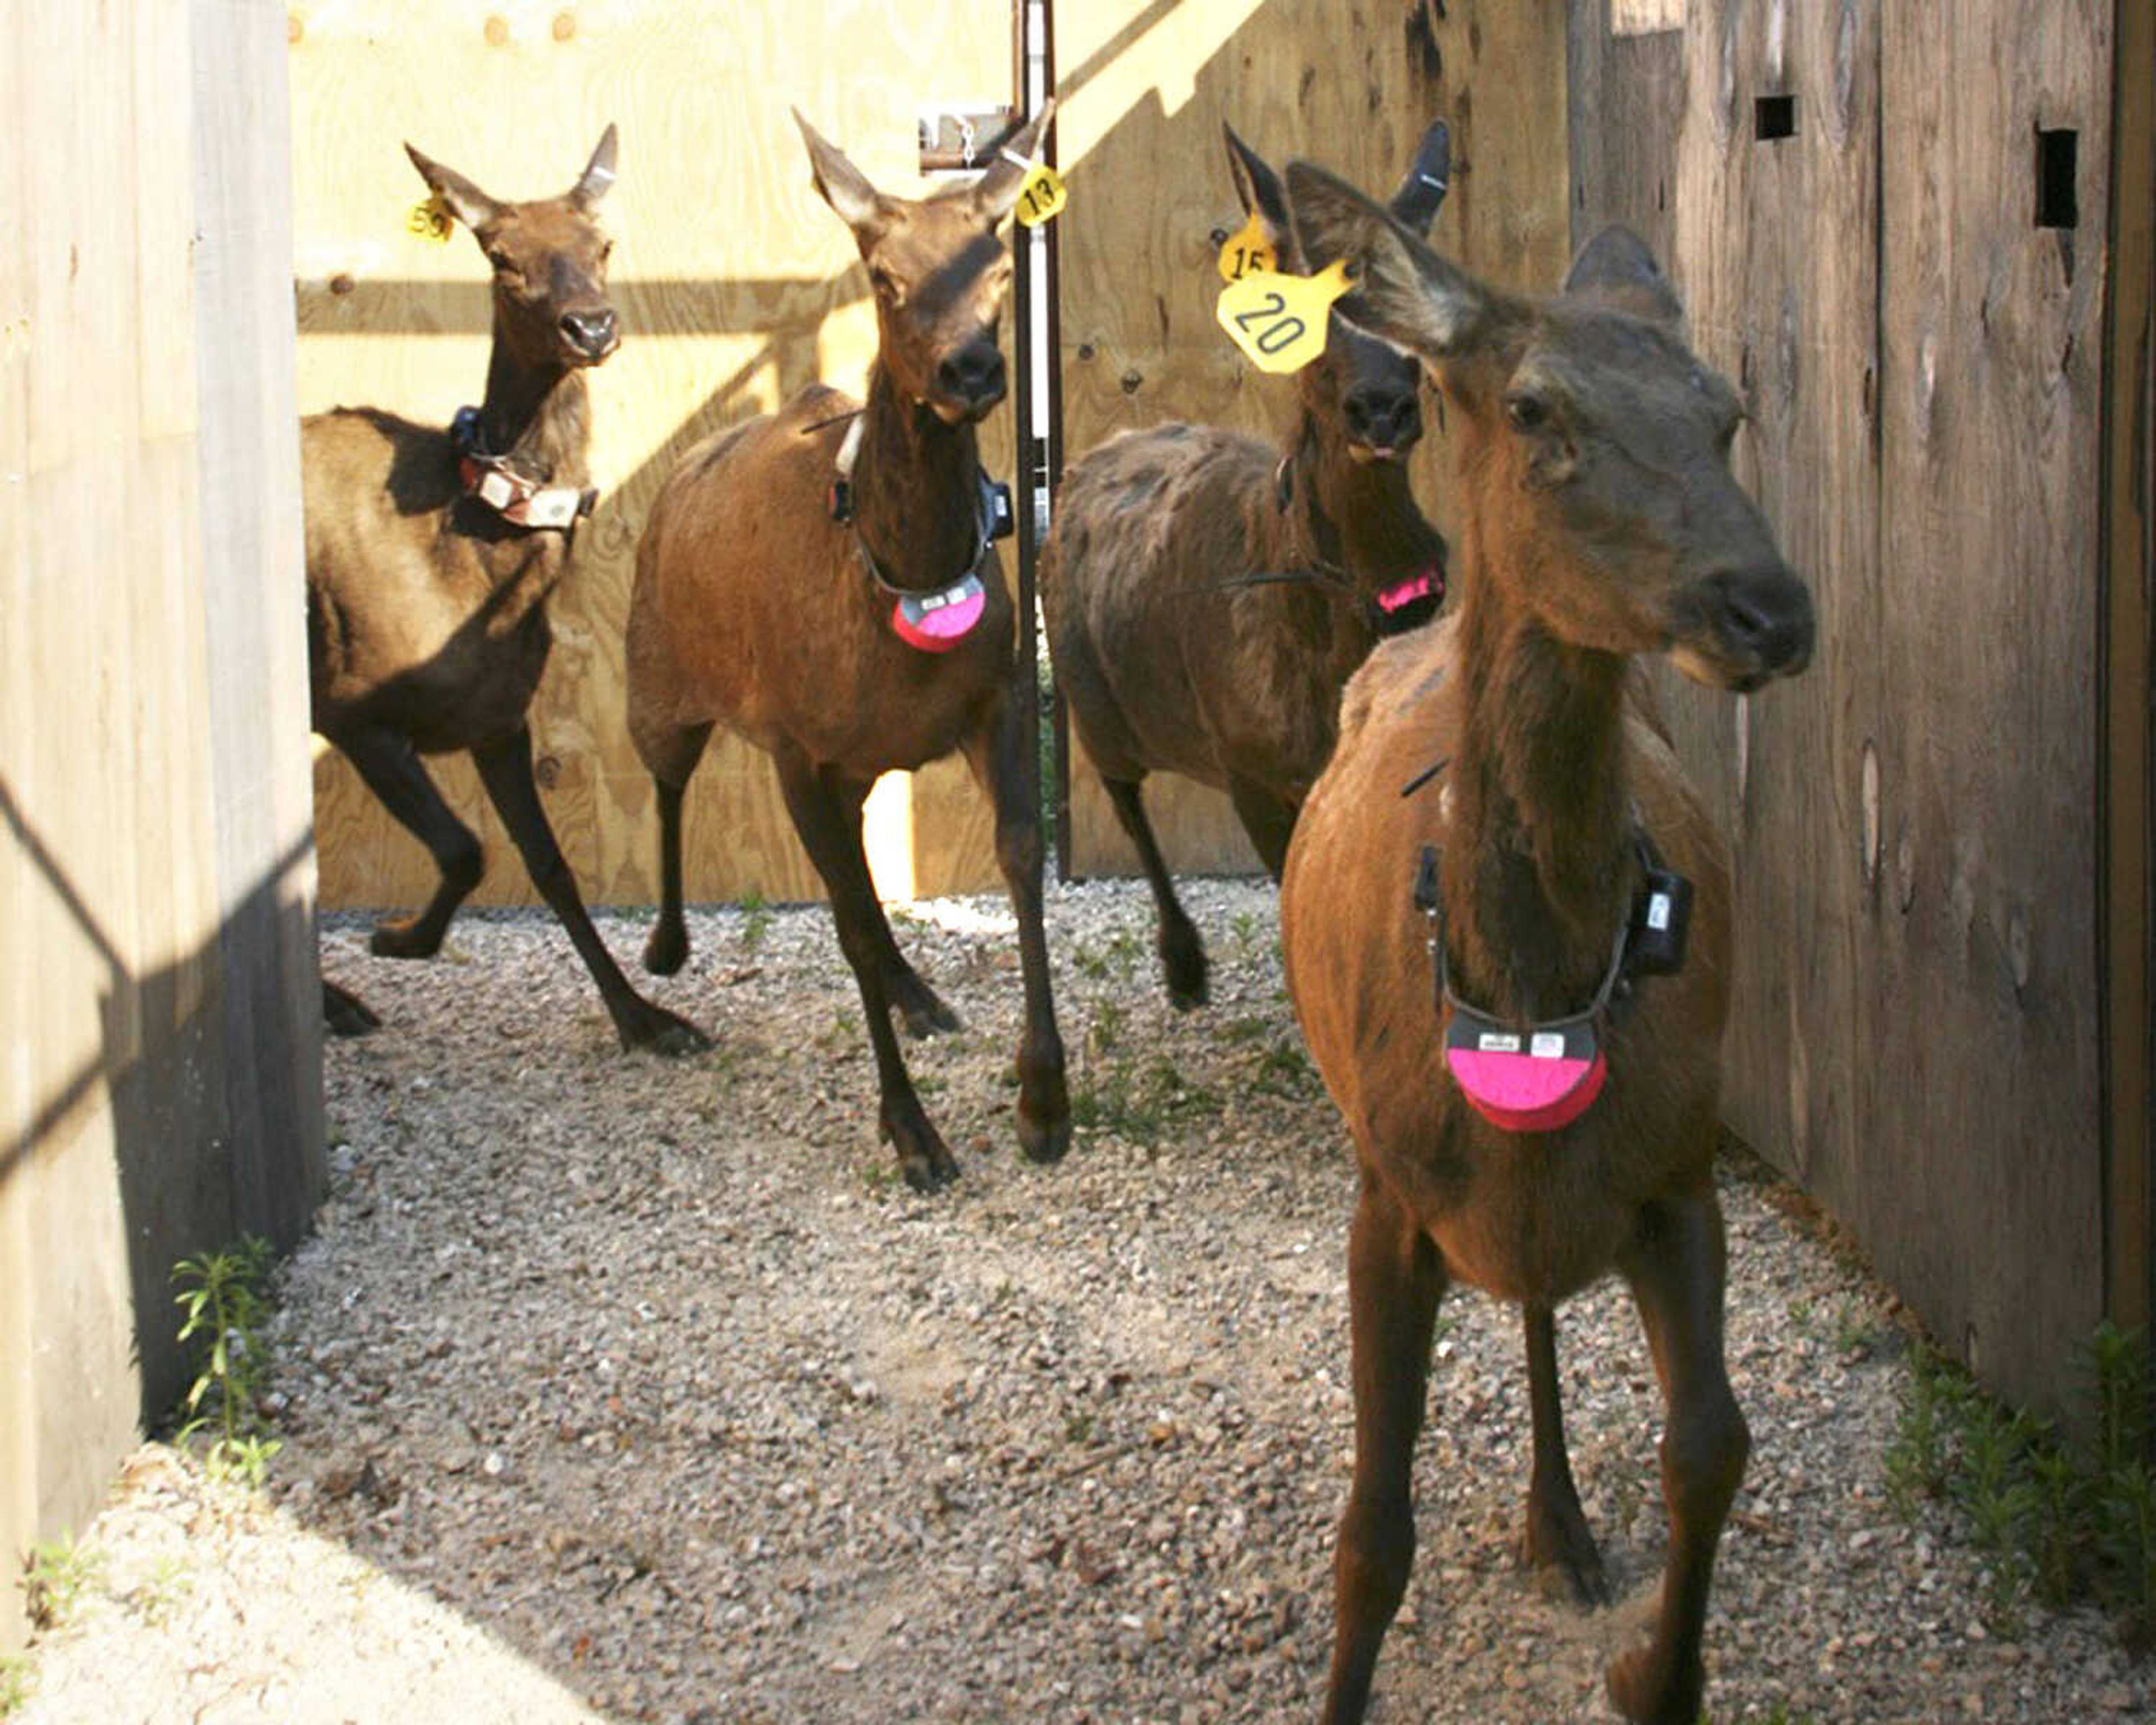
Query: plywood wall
[[1145, 89], [1916, 1027], [736, 286], [160, 1078]]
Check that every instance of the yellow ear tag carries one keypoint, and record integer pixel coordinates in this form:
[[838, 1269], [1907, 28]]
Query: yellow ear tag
[[430, 219], [1247, 251], [1042, 197], [1279, 321]]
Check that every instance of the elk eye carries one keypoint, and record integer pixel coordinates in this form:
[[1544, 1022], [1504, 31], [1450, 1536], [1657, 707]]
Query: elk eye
[[886, 286], [500, 259], [1527, 413]]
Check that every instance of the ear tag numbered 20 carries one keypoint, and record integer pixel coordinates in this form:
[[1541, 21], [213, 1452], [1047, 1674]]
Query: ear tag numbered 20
[[1042, 196], [1248, 251], [1279, 321], [430, 219]]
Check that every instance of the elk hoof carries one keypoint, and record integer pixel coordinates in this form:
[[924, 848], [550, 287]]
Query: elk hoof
[[668, 948], [1556, 1542], [920, 1009], [1182, 962], [923, 1158], [346, 1014], [658, 1031], [1044, 1137], [408, 939], [1644, 1689]]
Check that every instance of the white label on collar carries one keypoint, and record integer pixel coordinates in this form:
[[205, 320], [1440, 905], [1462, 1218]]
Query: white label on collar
[[496, 489], [1547, 1046], [554, 507], [1491, 1043], [1658, 911]]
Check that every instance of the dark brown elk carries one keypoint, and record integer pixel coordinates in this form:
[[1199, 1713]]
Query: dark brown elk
[[766, 603], [1601, 520], [430, 556], [1207, 595]]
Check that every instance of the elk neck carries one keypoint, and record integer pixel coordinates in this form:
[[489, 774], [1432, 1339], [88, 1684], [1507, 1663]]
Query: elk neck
[[916, 488], [1359, 517], [1539, 849], [538, 414]]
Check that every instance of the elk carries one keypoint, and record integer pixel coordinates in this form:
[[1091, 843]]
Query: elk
[[1465, 947], [430, 557], [821, 580], [1206, 596]]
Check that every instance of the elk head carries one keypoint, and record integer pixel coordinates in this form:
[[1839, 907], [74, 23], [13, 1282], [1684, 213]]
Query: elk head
[[939, 270], [549, 258], [1596, 441], [1366, 388]]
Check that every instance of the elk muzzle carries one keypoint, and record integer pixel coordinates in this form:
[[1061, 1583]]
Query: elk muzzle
[[1382, 425], [1749, 624], [590, 333], [969, 382]]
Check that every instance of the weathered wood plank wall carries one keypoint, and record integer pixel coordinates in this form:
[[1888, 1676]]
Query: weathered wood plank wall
[[736, 286], [1850, 199], [1146, 88], [160, 1055]]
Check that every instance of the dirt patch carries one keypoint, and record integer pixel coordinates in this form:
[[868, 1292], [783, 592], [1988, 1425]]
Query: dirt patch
[[645, 1389]]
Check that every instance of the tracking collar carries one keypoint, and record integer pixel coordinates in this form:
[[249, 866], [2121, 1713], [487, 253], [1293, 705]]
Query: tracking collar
[[511, 493]]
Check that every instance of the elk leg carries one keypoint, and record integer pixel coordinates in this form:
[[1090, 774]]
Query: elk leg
[[394, 773], [1182, 953], [1005, 758], [344, 1012], [834, 843], [1270, 820], [667, 949], [505, 766], [1556, 1531], [1395, 1279], [920, 1008], [1675, 1262]]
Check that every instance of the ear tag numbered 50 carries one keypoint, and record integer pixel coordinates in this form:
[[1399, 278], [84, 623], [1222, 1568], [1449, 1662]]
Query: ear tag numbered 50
[[1248, 252], [430, 219], [1043, 195], [1279, 321]]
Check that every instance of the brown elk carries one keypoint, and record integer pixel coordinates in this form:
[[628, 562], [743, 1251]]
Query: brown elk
[[430, 556], [1207, 595], [1601, 521], [782, 561]]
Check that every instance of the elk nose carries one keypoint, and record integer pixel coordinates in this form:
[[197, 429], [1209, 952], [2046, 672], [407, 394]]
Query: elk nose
[[592, 333], [1384, 421], [972, 378], [1766, 614]]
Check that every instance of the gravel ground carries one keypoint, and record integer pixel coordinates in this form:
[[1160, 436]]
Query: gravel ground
[[610, 1386]]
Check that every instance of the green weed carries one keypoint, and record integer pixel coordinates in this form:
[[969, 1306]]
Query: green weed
[[221, 1298], [59, 1580], [756, 918], [2057, 1520]]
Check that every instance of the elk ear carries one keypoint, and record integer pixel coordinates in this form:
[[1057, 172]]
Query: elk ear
[[598, 173], [1616, 268], [1404, 291], [1416, 205], [466, 202], [995, 194], [1260, 189], [843, 186]]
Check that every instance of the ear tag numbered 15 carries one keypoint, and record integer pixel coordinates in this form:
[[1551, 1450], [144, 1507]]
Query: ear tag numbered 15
[[1279, 321], [430, 219], [1042, 197], [1247, 252]]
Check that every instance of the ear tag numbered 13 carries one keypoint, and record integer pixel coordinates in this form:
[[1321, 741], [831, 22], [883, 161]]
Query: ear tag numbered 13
[[1043, 195], [430, 219], [1248, 252], [1279, 321]]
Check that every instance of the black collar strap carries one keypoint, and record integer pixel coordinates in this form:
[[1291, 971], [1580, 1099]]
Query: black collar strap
[[993, 519]]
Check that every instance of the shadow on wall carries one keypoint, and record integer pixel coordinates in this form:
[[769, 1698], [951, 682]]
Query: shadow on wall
[[209, 1069]]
